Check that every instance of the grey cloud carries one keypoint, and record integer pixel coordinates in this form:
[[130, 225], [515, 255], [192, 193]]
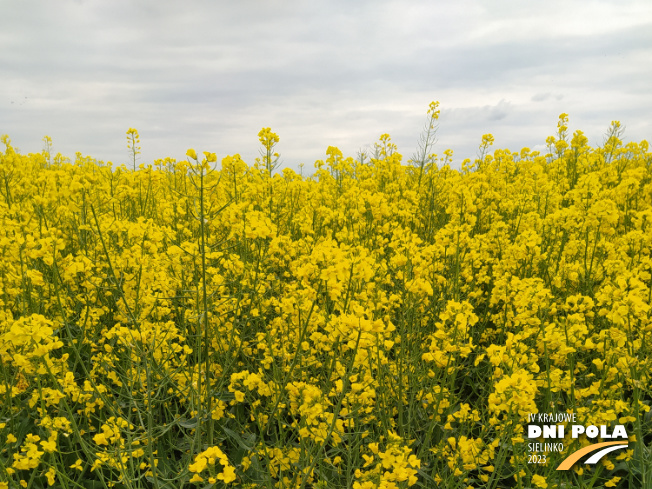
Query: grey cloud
[[540, 97], [499, 111]]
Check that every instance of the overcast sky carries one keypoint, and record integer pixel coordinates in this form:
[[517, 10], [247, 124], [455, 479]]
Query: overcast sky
[[211, 74]]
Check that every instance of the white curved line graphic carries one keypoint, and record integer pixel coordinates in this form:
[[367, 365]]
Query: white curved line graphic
[[595, 458]]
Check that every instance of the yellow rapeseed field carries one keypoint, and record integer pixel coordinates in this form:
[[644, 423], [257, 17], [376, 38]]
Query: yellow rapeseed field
[[380, 324]]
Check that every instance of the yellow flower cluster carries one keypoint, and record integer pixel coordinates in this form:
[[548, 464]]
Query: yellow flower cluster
[[206, 460], [390, 469]]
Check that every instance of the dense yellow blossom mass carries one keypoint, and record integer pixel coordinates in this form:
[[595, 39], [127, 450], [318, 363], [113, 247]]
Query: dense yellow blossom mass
[[379, 324]]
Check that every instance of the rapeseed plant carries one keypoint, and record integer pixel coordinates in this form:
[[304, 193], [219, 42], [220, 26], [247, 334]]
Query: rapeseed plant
[[376, 325]]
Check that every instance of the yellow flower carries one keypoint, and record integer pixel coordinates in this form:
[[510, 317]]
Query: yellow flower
[[50, 474], [267, 137], [100, 439], [210, 157], [539, 481], [49, 446]]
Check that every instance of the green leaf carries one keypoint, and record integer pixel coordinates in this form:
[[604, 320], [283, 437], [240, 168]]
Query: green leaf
[[189, 423], [251, 438]]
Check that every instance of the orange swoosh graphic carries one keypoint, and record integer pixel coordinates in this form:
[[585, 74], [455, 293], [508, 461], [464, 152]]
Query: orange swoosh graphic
[[575, 456]]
